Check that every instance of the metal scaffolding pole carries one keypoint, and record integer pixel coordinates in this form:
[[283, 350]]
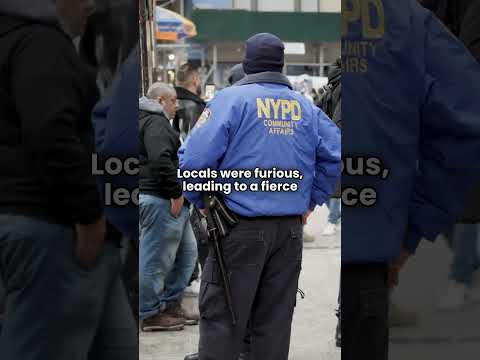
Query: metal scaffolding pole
[[321, 58], [147, 42], [215, 66]]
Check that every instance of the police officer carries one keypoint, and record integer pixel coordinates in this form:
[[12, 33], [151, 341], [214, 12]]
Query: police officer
[[260, 123]]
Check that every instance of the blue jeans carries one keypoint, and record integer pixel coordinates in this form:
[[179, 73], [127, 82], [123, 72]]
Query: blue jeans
[[466, 259], [334, 211], [55, 308], [168, 254]]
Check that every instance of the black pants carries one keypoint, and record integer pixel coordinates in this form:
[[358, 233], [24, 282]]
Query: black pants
[[364, 309], [263, 258]]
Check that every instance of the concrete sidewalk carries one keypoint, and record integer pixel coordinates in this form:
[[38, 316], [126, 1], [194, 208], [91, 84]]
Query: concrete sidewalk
[[314, 322], [440, 335]]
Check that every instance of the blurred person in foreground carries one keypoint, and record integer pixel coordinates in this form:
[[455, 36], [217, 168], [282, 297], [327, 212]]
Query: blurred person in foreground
[[424, 129], [462, 17], [64, 294], [115, 120]]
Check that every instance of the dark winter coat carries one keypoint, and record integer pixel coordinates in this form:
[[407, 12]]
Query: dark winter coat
[[191, 107], [159, 144], [46, 137]]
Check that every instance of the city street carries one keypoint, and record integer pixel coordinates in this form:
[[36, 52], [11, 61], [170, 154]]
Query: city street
[[314, 320]]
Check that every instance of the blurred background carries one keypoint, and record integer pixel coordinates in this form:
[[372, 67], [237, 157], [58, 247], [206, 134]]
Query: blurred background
[[211, 35]]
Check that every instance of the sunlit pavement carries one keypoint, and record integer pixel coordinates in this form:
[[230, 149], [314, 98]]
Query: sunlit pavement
[[314, 320]]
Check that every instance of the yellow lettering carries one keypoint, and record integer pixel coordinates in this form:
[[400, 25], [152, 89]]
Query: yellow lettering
[[286, 108], [296, 110], [361, 10], [350, 15], [368, 30], [263, 108], [276, 107]]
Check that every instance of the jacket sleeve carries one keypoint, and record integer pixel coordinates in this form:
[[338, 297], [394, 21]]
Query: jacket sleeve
[[208, 142], [161, 145], [449, 146], [328, 160], [50, 103]]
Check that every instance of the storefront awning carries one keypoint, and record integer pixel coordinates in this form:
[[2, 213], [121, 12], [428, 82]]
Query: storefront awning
[[239, 25], [172, 26]]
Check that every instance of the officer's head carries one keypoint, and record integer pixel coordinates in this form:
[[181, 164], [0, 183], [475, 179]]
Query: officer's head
[[166, 97], [188, 77], [265, 52]]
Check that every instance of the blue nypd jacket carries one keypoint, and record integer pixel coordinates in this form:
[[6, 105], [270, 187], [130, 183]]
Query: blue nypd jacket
[[411, 98], [262, 123]]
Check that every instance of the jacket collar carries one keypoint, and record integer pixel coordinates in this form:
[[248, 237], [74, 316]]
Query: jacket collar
[[184, 94], [265, 77]]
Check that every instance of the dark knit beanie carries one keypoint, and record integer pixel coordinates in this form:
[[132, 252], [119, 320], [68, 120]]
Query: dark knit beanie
[[265, 52]]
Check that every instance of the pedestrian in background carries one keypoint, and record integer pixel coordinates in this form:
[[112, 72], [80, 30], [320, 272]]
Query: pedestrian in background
[[330, 102], [168, 251], [190, 104], [190, 107]]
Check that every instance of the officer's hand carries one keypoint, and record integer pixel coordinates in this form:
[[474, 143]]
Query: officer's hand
[[90, 242], [305, 217], [395, 267], [176, 206]]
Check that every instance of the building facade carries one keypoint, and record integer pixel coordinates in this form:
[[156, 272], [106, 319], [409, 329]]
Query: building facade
[[309, 28]]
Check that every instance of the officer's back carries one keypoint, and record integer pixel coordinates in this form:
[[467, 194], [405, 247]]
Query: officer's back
[[410, 96]]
